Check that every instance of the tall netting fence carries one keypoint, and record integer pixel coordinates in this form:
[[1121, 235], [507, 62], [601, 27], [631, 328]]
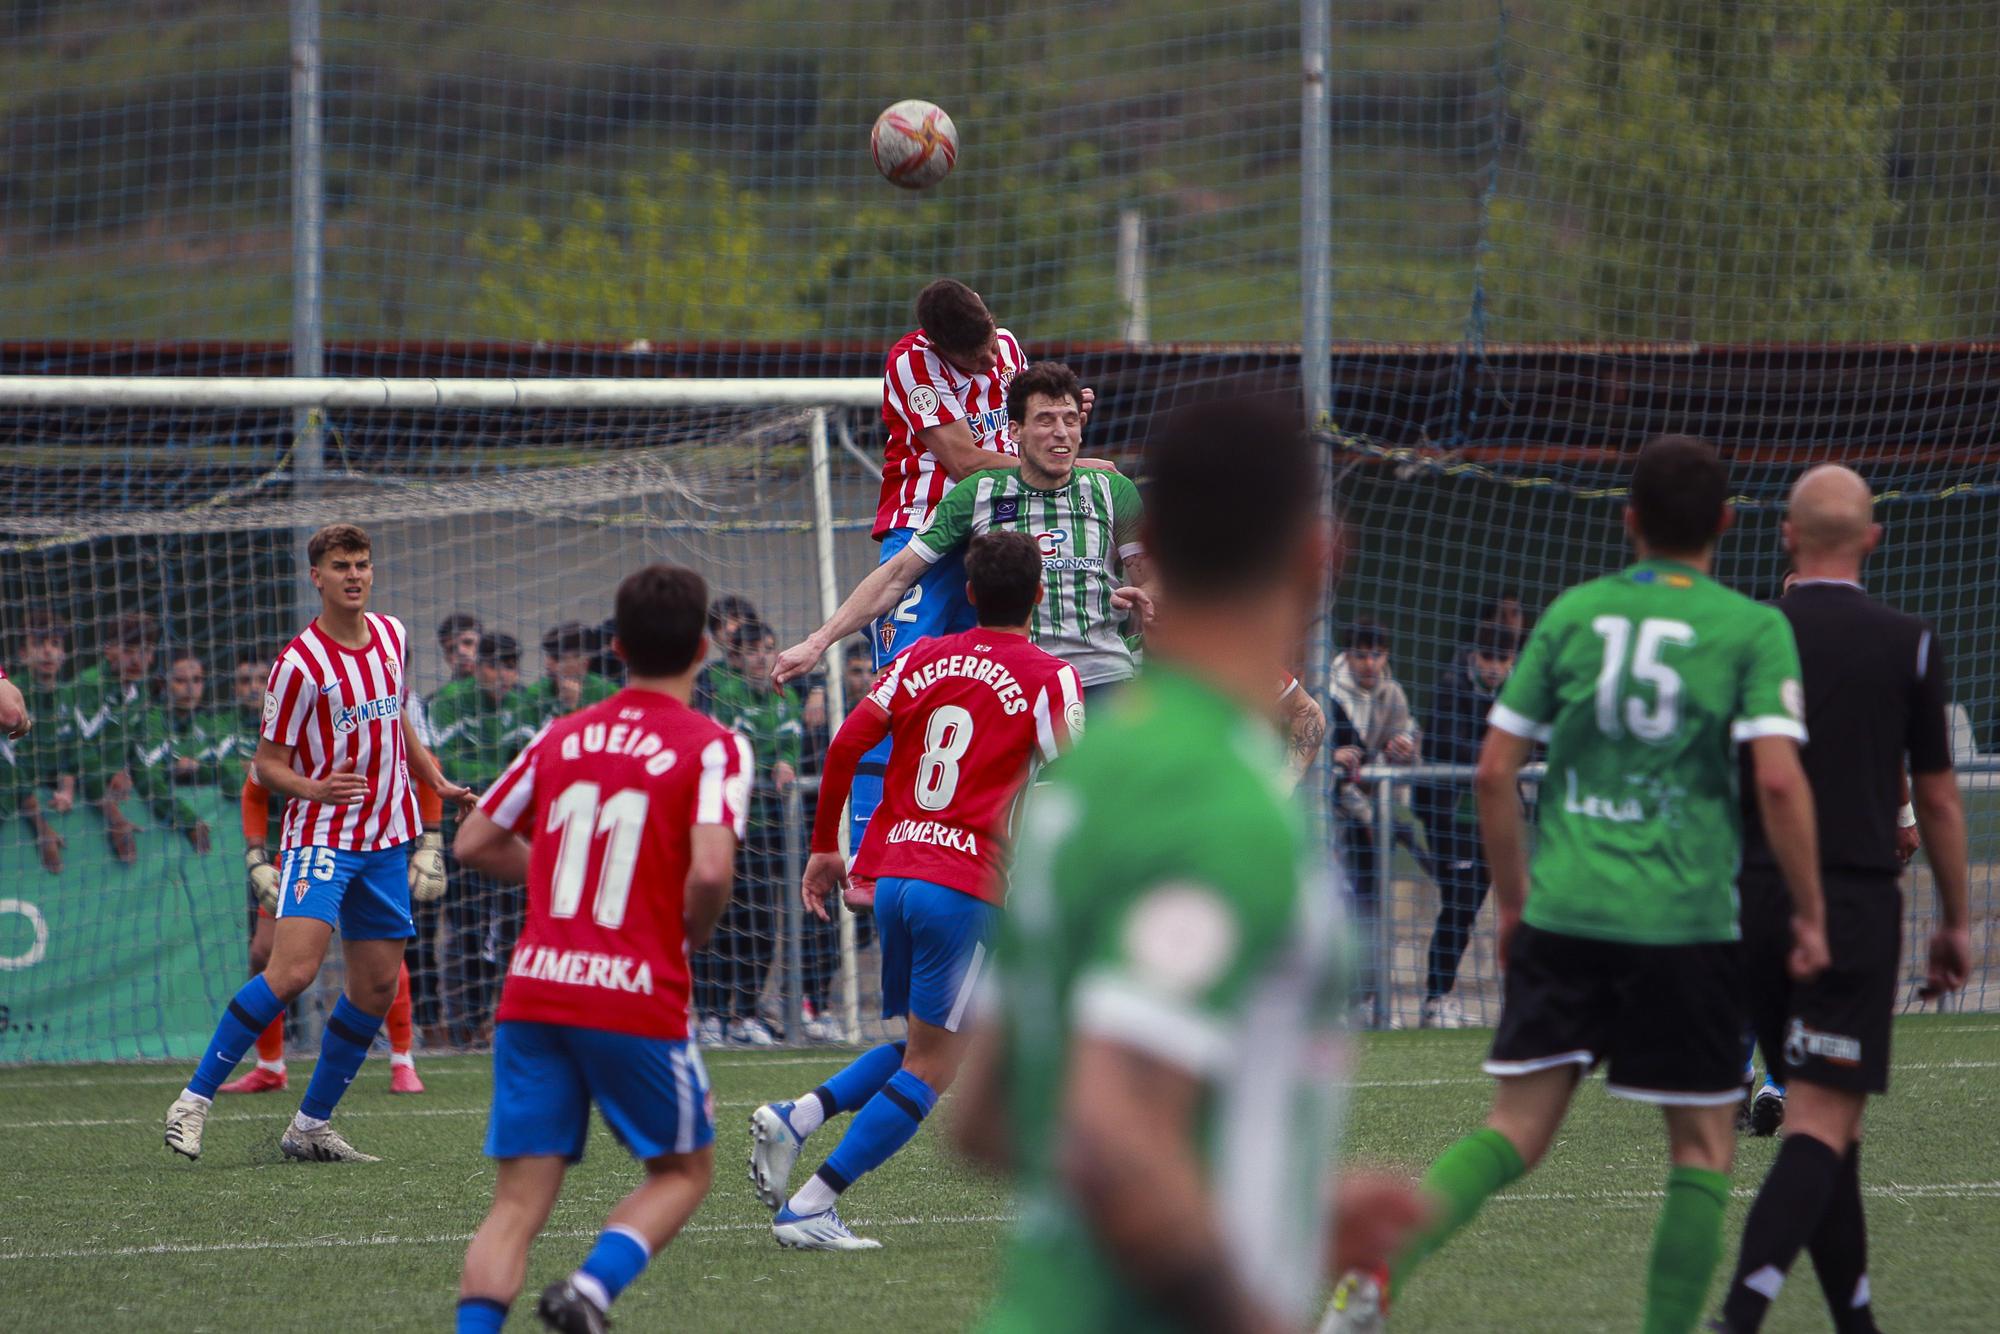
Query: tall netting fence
[[146, 617]]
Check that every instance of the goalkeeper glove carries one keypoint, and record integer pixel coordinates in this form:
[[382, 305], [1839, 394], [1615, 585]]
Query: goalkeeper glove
[[263, 877], [427, 868]]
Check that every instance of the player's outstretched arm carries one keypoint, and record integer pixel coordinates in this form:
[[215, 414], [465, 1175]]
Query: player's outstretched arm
[[486, 846], [957, 450], [1130, 1123], [871, 597], [1784, 799], [1941, 819], [711, 868], [1502, 826]]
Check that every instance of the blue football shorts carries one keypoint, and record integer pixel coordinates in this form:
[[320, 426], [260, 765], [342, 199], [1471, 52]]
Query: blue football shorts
[[652, 1092], [363, 895], [934, 944]]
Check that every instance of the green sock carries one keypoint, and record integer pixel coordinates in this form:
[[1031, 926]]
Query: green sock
[[1686, 1246], [1462, 1179]]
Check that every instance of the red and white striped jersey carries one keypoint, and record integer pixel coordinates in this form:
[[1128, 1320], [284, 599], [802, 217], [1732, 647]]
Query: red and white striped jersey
[[341, 706], [920, 389], [608, 799]]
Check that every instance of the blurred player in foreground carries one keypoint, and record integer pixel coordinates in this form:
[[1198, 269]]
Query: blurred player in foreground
[[971, 716], [339, 744], [623, 819], [1877, 691], [1642, 684], [1163, 1076]]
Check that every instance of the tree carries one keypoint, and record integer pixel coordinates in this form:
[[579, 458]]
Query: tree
[[1708, 169], [682, 252]]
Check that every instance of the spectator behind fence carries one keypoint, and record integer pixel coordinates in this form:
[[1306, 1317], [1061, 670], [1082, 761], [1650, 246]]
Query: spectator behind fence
[[176, 741], [729, 975], [49, 757], [568, 683], [819, 951], [1467, 686], [726, 616], [109, 697], [1375, 723], [476, 726], [458, 637]]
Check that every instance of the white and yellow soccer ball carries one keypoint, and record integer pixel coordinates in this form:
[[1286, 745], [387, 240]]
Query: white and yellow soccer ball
[[914, 143]]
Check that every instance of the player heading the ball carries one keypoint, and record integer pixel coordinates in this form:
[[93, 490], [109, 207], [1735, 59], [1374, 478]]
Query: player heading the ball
[[623, 819], [972, 715], [338, 742], [1085, 523]]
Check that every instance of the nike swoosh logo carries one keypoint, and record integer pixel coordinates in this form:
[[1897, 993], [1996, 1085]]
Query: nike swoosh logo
[[328, 690]]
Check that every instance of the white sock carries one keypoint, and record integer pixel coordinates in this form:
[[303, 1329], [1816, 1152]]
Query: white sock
[[815, 1197], [307, 1123], [191, 1096], [403, 1058], [593, 1291], [807, 1114], [276, 1067]]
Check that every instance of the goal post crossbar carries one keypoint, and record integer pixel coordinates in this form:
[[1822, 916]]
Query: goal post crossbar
[[365, 392]]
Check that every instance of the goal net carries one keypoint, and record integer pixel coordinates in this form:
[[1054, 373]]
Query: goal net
[[146, 602]]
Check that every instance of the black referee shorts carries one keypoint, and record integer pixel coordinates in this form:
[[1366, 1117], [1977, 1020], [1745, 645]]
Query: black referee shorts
[[1665, 1020], [1834, 1030]]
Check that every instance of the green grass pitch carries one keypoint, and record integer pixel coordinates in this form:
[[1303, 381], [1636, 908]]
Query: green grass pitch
[[101, 1228]]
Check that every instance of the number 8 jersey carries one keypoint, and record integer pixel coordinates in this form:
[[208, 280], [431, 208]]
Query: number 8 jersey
[[608, 798], [971, 716], [1643, 683]]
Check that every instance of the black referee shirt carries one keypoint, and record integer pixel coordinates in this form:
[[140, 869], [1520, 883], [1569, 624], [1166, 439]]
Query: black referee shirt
[[1877, 689]]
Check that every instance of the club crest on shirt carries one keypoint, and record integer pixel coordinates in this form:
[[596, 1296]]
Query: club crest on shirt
[[924, 401], [1006, 511], [350, 717]]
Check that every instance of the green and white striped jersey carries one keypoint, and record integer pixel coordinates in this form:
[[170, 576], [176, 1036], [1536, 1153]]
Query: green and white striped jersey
[[1087, 528]]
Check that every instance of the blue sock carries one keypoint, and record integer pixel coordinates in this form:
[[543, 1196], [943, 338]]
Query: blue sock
[[480, 1315], [886, 1124], [619, 1256], [342, 1048], [254, 1006], [850, 1090]]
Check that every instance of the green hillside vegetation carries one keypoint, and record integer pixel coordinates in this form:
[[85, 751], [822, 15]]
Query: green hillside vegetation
[[1679, 169]]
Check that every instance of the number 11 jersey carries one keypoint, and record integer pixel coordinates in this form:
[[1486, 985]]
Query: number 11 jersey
[[1643, 683], [971, 717], [608, 799]]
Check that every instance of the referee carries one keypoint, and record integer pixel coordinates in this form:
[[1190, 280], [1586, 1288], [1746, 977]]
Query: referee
[[1876, 692]]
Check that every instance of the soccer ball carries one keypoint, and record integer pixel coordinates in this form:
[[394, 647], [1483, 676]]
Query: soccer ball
[[914, 144]]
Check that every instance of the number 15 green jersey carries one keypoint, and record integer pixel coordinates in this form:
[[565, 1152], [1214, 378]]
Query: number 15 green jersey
[[1643, 683]]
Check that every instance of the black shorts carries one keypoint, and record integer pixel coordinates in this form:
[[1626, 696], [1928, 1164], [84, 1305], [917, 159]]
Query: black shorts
[[1834, 1030], [1666, 1020]]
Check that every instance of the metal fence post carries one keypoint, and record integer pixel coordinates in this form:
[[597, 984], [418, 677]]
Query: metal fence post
[[1385, 882], [794, 918]]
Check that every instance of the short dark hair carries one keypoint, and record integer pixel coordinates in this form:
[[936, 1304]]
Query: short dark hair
[[569, 637], [337, 537], [1367, 633], [952, 316], [1678, 493], [134, 627], [501, 648], [186, 653], [1233, 485], [1050, 379], [660, 614], [456, 624], [1005, 571], [41, 623], [1496, 639], [730, 607], [751, 632]]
